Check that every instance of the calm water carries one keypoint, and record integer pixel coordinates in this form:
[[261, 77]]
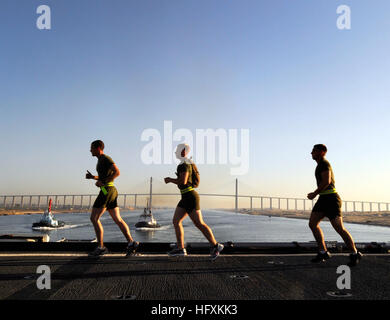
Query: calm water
[[227, 226]]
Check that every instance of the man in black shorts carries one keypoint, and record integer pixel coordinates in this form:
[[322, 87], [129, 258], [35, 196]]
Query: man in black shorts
[[189, 205], [328, 205], [107, 199]]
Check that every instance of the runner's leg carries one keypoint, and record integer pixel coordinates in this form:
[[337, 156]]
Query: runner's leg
[[115, 214], [95, 216], [315, 219], [178, 217], [197, 219], [338, 225]]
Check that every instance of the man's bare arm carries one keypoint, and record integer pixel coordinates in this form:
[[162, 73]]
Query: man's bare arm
[[326, 179], [115, 173], [181, 180]]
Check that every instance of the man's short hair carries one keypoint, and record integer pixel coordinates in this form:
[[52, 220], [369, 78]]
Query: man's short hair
[[321, 147], [98, 144]]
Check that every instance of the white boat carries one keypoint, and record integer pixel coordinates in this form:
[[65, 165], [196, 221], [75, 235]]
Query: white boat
[[147, 220], [47, 221]]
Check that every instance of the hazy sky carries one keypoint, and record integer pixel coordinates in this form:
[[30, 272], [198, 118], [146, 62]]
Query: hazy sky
[[111, 69]]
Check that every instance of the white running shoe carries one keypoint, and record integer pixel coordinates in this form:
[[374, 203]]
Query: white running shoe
[[177, 252], [215, 251]]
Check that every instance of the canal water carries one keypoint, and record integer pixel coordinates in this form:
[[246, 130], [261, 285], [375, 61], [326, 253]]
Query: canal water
[[226, 226]]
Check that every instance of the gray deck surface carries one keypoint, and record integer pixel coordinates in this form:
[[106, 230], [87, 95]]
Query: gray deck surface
[[194, 277]]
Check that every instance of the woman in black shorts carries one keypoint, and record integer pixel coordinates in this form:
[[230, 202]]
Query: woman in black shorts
[[189, 205]]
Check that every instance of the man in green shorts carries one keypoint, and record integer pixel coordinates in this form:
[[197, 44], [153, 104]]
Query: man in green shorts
[[328, 205], [189, 205], [107, 199]]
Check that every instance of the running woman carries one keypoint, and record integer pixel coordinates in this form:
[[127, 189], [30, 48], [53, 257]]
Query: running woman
[[189, 205], [107, 199], [328, 205]]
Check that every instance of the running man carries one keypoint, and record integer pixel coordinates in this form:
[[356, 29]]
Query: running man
[[328, 205], [189, 205], [107, 199]]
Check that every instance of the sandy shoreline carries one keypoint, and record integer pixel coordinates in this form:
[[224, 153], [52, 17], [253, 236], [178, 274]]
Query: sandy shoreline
[[367, 218], [29, 212], [6, 212]]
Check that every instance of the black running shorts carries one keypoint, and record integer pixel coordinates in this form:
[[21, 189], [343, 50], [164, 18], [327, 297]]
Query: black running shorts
[[109, 200], [189, 201], [329, 205]]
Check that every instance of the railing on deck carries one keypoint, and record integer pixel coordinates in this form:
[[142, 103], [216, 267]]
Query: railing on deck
[[125, 201]]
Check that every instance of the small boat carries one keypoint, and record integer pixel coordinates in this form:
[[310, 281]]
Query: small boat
[[147, 221], [47, 221]]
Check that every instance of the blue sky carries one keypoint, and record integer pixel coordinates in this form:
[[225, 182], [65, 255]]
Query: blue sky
[[109, 70]]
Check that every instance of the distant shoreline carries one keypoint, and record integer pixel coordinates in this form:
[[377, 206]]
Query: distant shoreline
[[380, 219], [6, 212]]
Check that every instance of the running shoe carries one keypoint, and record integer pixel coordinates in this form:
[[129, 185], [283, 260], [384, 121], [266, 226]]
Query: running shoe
[[177, 252], [215, 251], [132, 248], [98, 252], [354, 259], [321, 257]]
